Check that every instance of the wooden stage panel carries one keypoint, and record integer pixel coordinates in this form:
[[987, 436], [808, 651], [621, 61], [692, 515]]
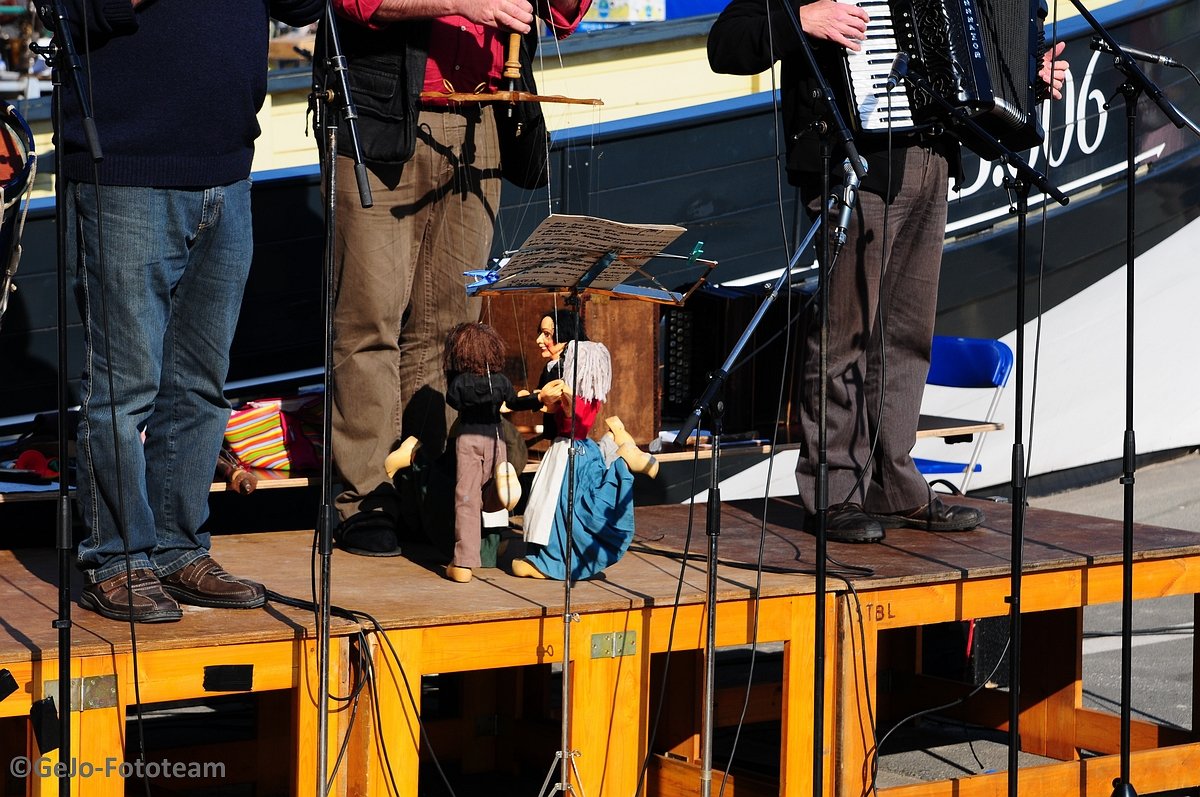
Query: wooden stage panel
[[1053, 540], [498, 621], [273, 649]]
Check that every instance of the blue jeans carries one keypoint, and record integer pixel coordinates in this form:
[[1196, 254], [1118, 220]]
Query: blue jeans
[[175, 264]]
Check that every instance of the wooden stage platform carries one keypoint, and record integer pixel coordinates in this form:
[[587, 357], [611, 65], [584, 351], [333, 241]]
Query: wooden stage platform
[[477, 661]]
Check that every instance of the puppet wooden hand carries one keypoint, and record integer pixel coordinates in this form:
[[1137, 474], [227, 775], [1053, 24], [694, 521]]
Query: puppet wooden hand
[[554, 393]]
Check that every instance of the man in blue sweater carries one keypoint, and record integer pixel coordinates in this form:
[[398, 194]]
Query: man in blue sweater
[[161, 238]]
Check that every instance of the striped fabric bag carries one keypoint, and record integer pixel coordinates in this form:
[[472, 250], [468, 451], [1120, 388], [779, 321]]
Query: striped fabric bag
[[271, 433]]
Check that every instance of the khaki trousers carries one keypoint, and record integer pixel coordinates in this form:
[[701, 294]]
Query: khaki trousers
[[399, 289]]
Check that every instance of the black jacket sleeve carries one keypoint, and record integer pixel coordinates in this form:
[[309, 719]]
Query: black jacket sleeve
[[524, 403], [749, 36]]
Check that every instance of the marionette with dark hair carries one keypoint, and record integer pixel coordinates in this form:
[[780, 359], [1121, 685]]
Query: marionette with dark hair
[[476, 388]]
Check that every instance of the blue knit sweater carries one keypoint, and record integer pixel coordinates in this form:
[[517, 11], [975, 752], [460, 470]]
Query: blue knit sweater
[[175, 88]]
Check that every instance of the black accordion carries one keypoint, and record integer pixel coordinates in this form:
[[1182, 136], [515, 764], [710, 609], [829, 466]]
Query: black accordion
[[980, 56]]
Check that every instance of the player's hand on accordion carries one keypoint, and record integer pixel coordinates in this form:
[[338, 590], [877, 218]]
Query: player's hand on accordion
[[841, 23], [1053, 71]]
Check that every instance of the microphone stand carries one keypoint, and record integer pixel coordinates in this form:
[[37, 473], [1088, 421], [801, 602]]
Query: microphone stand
[[1018, 186], [833, 120], [710, 401], [1135, 84], [333, 106], [64, 58]]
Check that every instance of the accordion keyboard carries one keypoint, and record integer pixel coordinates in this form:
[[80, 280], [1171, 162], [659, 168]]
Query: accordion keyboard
[[877, 108]]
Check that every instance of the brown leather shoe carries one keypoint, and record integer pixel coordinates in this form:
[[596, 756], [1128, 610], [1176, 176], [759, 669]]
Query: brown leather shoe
[[205, 583], [110, 598]]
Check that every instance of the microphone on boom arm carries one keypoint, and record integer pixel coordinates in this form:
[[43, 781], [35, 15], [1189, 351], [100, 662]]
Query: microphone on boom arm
[[846, 200], [1134, 53]]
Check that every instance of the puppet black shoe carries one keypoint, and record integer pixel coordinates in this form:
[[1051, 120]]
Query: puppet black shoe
[[848, 523], [934, 516], [111, 598], [203, 582]]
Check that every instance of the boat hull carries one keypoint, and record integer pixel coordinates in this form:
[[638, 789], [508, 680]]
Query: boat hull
[[714, 169]]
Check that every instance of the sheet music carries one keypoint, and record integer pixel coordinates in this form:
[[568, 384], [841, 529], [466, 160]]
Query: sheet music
[[564, 249]]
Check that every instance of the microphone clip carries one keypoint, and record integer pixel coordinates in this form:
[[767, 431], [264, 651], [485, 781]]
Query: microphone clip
[[846, 199], [898, 71]]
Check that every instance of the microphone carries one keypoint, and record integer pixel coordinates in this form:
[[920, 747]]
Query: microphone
[[1135, 53], [847, 200], [898, 71]]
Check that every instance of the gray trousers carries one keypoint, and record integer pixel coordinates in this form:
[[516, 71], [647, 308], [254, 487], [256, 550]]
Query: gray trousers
[[882, 303], [400, 289], [478, 448]]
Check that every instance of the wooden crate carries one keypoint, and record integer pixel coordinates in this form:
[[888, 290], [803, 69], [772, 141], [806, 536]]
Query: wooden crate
[[628, 328]]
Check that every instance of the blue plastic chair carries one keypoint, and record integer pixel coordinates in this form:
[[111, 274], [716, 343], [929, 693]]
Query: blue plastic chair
[[973, 363]]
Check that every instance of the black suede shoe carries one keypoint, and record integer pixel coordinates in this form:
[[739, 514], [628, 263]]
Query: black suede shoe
[[203, 582], [847, 523], [934, 516], [110, 598], [368, 534]]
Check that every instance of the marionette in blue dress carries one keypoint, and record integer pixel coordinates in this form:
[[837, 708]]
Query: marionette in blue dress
[[598, 511]]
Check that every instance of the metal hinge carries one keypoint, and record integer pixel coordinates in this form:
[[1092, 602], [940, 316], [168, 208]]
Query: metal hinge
[[94, 691], [614, 644]]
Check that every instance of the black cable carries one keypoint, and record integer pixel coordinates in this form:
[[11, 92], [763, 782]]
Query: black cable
[[1041, 280], [880, 320], [739, 565], [359, 650], [862, 652], [412, 701], [357, 615], [787, 331], [1168, 630], [934, 709], [119, 514], [756, 598], [684, 559], [366, 680], [1190, 72]]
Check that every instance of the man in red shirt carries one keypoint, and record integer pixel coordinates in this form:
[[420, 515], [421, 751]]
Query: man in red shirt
[[435, 178]]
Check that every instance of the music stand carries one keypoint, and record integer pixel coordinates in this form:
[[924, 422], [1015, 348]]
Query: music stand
[[573, 255]]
